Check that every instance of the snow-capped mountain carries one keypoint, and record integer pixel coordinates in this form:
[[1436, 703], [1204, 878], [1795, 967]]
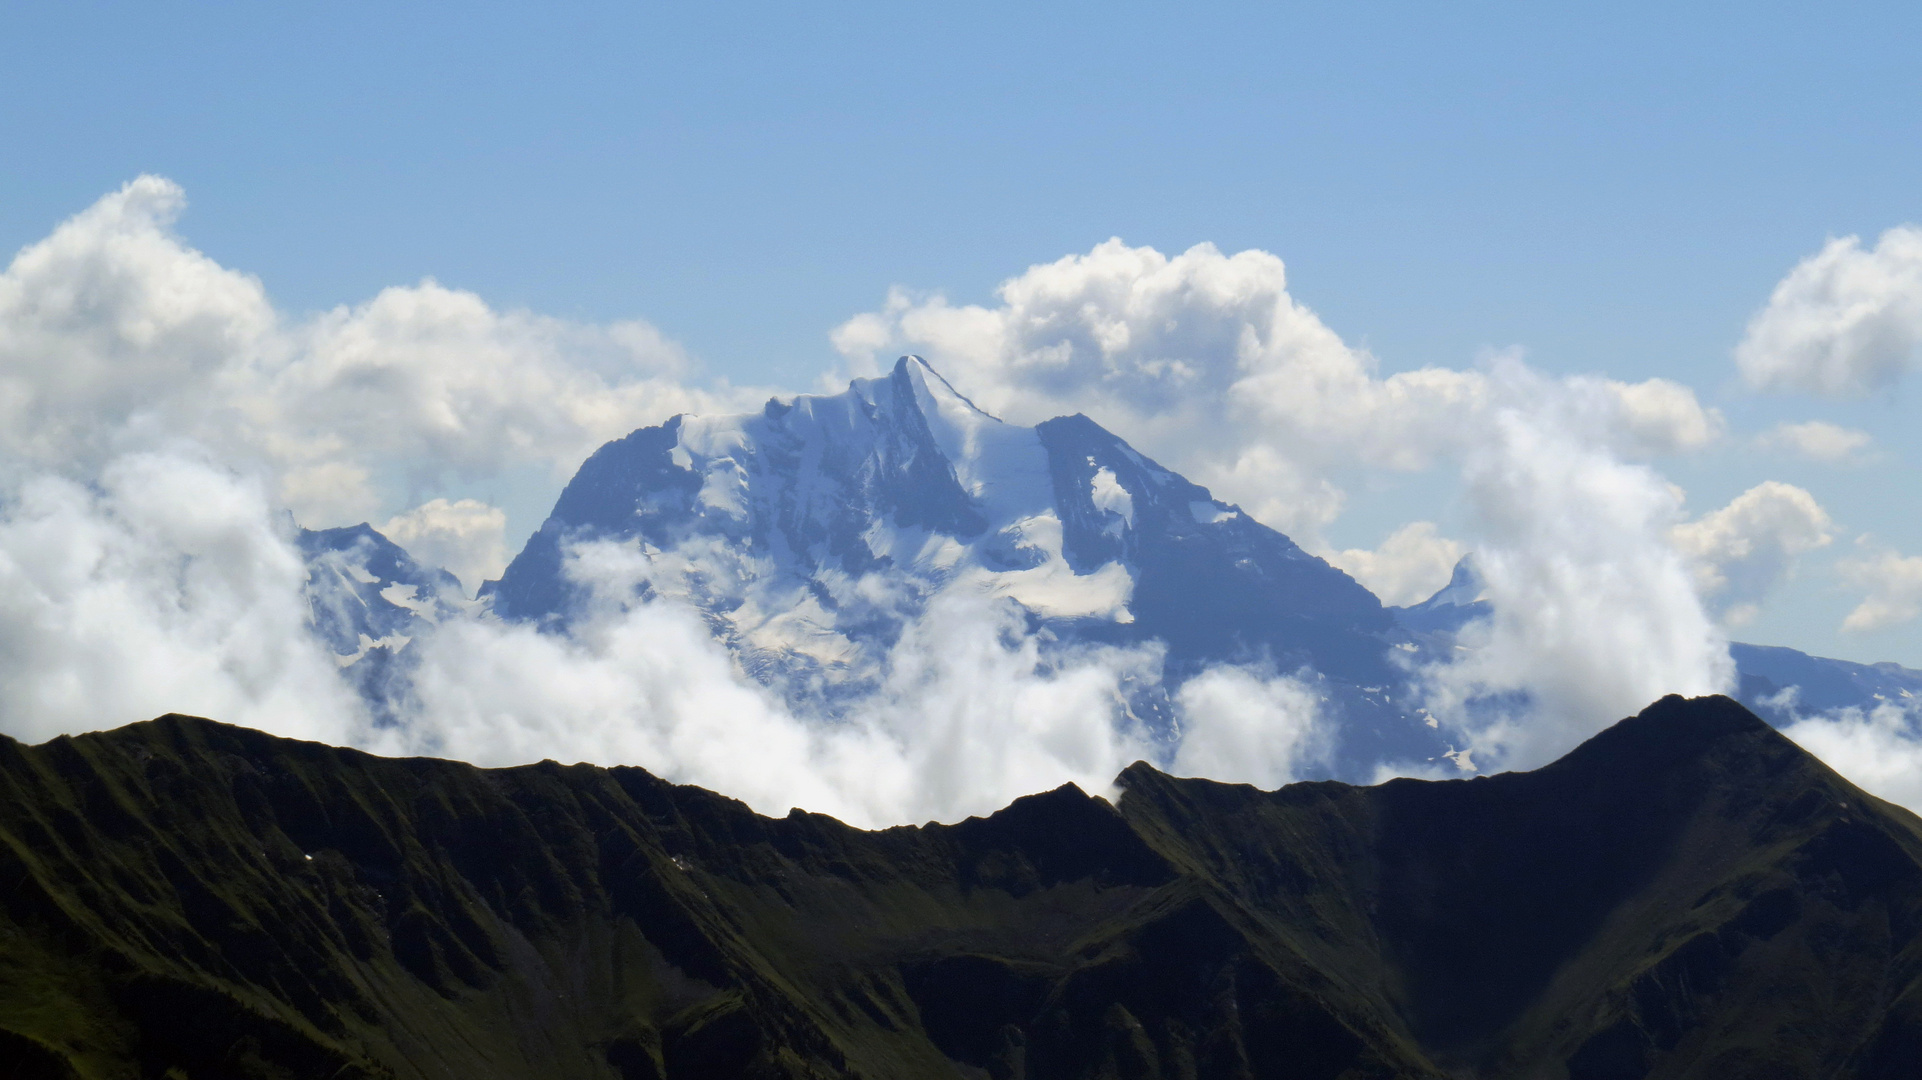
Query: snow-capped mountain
[[812, 531], [1453, 606], [367, 599], [1779, 683]]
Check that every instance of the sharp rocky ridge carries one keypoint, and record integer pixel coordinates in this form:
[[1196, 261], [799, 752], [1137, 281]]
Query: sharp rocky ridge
[[1687, 894]]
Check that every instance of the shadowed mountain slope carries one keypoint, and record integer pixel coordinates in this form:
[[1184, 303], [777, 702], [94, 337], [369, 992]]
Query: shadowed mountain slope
[[1686, 894]]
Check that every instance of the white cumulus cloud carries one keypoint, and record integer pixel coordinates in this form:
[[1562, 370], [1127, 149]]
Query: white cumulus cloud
[[1595, 614], [1845, 321], [1410, 566], [465, 537], [163, 586], [116, 336], [1244, 726], [1206, 361], [1742, 552], [111, 330]]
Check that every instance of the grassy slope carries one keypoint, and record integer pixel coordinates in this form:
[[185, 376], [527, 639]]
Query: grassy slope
[[1686, 895]]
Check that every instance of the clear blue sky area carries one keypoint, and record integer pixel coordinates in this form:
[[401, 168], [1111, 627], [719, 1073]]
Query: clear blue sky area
[[1611, 187]]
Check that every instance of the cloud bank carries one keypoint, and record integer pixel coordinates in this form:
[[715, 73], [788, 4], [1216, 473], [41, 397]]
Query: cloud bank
[[969, 716], [116, 336], [163, 586]]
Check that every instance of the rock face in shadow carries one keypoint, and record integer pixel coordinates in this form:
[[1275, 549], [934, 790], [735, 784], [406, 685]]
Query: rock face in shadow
[[1687, 894]]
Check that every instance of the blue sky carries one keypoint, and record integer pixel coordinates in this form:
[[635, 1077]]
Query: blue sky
[[1610, 188], [1615, 188]]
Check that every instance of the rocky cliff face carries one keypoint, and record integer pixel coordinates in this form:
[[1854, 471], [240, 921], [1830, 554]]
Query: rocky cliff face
[[1687, 894]]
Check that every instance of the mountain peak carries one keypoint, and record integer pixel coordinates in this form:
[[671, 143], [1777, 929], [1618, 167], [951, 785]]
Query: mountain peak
[[1674, 732], [1461, 601], [933, 389], [812, 531]]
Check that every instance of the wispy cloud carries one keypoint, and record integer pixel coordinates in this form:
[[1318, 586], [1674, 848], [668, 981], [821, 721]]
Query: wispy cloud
[[1817, 440], [1878, 748], [1893, 582]]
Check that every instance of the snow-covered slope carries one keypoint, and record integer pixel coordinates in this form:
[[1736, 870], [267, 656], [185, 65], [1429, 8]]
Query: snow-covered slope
[[367, 599], [812, 531], [1818, 684]]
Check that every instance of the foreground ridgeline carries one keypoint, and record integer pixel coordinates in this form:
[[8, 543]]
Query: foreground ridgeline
[[1687, 894]]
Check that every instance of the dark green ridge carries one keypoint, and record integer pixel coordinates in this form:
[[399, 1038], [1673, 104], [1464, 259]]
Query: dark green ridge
[[1687, 894]]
